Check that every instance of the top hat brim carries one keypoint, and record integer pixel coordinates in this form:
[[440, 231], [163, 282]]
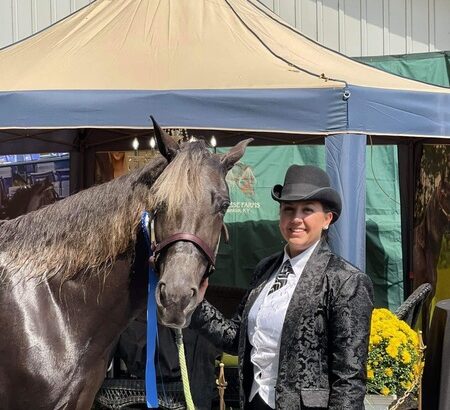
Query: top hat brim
[[329, 196]]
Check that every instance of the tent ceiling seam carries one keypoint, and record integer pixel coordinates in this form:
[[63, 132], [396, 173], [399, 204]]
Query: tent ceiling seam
[[322, 75]]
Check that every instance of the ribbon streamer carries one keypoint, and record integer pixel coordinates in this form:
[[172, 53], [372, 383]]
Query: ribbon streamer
[[151, 392]]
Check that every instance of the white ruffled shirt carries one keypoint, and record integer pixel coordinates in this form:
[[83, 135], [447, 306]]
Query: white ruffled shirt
[[265, 324]]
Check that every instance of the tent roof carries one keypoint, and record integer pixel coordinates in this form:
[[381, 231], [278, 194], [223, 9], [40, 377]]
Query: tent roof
[[226, 64], [149, 45], [175, 45]]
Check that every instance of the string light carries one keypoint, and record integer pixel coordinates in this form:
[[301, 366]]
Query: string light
[[152, 143], [213, 143]]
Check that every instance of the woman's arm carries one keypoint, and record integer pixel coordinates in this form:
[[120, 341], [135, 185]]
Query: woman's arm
[[222, 332]]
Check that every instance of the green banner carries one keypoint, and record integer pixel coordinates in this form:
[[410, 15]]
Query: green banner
[[383, 226]]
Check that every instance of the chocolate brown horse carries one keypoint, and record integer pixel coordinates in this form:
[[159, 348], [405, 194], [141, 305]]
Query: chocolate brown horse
[[74, 273], [29, 198]]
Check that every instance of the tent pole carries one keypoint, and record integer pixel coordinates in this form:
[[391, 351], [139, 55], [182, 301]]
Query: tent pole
[[346, 166], [408, 172]]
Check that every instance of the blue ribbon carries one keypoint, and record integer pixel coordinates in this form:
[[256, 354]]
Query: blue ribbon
[[152, 327]]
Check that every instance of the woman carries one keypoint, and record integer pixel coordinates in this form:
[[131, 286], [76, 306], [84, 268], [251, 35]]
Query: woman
[[302, 329]]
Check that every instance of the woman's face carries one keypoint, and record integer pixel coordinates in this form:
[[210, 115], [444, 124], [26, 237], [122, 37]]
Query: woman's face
[[302, 223]]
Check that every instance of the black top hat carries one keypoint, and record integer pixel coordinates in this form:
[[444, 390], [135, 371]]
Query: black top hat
[[308, 183]]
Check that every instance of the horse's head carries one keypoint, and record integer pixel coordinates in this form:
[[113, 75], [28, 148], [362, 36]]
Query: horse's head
[[41, 194], [192, 198]]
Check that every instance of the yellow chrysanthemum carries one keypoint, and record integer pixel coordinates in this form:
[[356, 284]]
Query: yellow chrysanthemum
[[375, 339], [385, 391], [406, 357], [388, 372], [394, 361], [392, 350], [406, 385]]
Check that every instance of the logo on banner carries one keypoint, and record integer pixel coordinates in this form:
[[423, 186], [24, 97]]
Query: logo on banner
[[242, 178]]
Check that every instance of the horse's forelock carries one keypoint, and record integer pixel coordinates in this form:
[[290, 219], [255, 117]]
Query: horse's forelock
[[181, 180]]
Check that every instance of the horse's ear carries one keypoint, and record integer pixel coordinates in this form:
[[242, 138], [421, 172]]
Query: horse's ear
[[235, 154], [167, 146]]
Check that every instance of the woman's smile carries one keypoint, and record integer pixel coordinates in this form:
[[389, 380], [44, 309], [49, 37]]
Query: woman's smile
[[302, 223]]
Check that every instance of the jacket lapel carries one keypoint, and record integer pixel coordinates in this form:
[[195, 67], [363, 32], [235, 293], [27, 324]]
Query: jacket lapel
[[304, 297]]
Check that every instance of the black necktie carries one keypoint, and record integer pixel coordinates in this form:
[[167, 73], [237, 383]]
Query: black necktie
[[282, 276]]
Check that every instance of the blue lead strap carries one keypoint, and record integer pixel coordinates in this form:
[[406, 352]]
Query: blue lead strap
[[152, 327]]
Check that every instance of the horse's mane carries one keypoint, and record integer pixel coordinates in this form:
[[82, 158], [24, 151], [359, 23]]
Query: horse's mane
[[82, 233], [85, 232]]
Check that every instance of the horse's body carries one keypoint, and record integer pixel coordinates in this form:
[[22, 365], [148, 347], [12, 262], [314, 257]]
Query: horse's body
[[74, 274], [427, 243]]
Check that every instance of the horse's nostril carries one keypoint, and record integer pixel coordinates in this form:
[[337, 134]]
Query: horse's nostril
[[193, 292], [162, 293]]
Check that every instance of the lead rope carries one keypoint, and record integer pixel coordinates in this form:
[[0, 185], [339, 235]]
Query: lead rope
[[182, 358], [183, 369], [178, 335]]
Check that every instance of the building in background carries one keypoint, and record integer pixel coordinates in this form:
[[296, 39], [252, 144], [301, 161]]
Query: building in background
[[356, 28]]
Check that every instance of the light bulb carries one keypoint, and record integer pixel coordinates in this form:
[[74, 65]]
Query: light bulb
[[213, 141], [152, 143], [135, 144]]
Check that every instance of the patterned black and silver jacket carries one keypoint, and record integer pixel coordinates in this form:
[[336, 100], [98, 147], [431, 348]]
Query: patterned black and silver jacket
[[325, 336]]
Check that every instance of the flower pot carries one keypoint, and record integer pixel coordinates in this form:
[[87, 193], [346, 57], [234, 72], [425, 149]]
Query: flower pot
[[378, 401]]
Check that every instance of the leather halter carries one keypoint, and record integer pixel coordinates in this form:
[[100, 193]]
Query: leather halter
[[188, 237], [198, 242]]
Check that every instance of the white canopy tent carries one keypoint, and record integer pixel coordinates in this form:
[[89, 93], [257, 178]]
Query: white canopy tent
[[215, 64]]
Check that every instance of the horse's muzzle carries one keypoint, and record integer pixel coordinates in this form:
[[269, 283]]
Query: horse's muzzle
[[175, 305]]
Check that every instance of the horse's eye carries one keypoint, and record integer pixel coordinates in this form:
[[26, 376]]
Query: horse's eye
[[224, 207]]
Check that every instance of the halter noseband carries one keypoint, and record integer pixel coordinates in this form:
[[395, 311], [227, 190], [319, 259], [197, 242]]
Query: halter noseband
[[199, 243]]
